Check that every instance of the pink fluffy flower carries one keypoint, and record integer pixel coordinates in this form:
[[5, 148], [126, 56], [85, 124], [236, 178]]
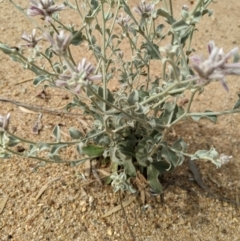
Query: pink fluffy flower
[[216, 66], [44, 8]]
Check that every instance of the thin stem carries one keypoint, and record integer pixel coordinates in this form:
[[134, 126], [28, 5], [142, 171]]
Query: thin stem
[[55, 29], [197, 6], [104, 57], [183, 55], [227, 112], [24, 13], [126, 219], [49, 61], [35, 66], [60, 24], [50, 161], [171, 7]]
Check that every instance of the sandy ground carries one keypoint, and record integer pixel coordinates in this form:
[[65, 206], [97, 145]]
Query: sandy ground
[[71, 208]]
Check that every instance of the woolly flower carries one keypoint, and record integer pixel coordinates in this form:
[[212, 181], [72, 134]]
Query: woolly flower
[[119, 182], [84, 72], [30, 39], [60, 42], [123, 21], [216, 67], [144, 9], [224, 159], [44, 8], [4, 122]]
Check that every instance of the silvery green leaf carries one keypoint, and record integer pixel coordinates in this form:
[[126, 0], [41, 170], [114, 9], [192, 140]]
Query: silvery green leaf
[[170, 156], [93, 150], [237, 104], [54, 150], [159, 29], [211, 155], [162, 166], [113, 152], [6, 49], [163, 13], [128, 165], [39, 79], [196, 17], [94, 4], [142, 153], [133, 97], [108, 16], [180, 145], [74, 133], [141, 109], [48, 52], [180, 25], [150, 50], [12, 141], [207, 11], [211, 117], [97, 27], [4, 155], [70, 5], [152, 178], [33, 149], [43, 146], [77, 38], [57, 133]]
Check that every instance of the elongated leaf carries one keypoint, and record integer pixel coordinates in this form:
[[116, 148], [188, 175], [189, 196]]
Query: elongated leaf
[[152, 178], [180, 145], [210, 116], [128, 165], [57, 133], [77, 38], [39, 79], [133, 97], [74, 133], [161, 166], [170, 156], [237, 104], [92, 150], [6, 49], [180, 25], [150, 50]]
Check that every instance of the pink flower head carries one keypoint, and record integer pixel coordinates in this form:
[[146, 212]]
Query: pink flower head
[[44, 8], [144, 9], [83, 72], [30, 39], [216, 67], [60, 42], [123, 21], [4, 122]]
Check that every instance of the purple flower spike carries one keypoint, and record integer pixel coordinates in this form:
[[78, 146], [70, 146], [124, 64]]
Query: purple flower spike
[[44, 8], [30, 39], [216, 67]]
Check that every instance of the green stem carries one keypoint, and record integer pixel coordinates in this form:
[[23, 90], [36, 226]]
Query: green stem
[[104, 57], [24, 13], [60, 24], [35, 66], [49, 61], [50, 161], [226, 112]]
